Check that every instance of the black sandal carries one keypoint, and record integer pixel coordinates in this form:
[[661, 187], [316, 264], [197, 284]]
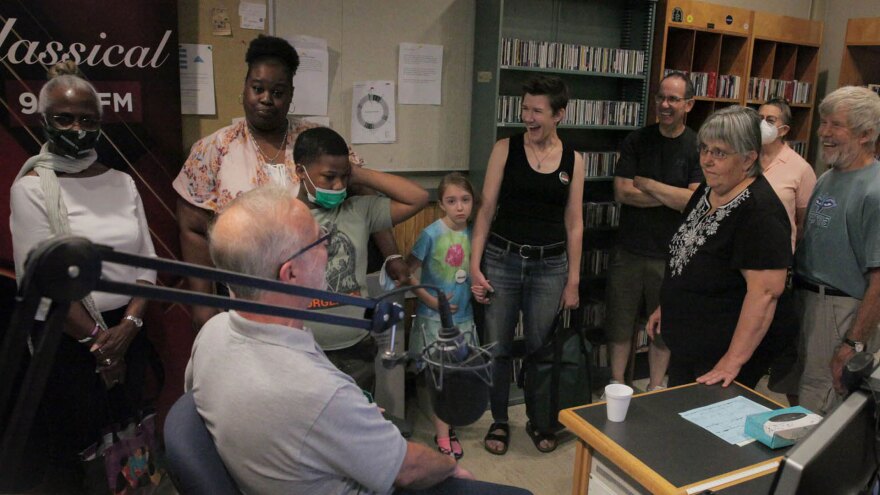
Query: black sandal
[[455, 445], [538, 437], [443, 450], [504, 438]]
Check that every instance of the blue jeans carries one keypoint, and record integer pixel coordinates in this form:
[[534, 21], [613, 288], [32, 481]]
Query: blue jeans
[[531, 285]]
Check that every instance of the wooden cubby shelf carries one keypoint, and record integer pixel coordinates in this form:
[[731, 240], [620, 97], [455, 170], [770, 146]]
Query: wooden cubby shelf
[[763, 54]]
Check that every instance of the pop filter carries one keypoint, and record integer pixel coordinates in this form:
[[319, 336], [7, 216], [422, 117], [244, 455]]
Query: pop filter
[[460, 377]]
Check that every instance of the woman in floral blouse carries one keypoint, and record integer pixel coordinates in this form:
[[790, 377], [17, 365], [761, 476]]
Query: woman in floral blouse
[[720, 308], [250, 153]]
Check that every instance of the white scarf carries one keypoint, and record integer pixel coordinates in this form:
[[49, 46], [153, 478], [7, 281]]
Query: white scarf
[[46, 164]]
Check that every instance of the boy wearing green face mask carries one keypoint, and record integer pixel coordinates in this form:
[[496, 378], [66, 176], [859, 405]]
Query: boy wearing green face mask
[[325, 174]]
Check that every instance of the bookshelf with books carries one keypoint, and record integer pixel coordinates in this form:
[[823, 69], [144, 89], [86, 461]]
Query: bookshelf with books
[[709, 43], [602, 50], [784, 62]]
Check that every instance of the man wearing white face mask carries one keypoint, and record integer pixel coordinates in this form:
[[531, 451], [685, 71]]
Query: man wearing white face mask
[[325, 174], [789, 174]]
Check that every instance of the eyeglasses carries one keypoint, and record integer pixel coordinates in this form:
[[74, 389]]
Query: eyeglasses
[[715, 153], [324, 236], [672, 100], [65, 121]]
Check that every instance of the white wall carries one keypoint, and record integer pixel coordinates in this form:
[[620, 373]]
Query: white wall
[[363, 37]]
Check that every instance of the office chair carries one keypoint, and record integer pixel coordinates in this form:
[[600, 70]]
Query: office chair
[[195, 466]]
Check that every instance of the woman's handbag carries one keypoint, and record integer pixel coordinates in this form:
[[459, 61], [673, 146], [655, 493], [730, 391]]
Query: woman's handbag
[[557, 375], [125, 460]]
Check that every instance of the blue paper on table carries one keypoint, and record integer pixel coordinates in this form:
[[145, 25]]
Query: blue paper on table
[[726, 419]]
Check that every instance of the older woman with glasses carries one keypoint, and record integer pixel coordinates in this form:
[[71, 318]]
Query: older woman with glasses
[[720, 309], [99, 369]]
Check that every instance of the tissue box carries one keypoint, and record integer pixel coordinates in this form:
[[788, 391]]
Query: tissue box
[[782, 427]]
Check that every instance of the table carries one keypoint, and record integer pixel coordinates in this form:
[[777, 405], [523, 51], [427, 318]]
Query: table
[[664, 452]]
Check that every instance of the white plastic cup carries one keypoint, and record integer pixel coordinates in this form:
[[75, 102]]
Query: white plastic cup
[[618, 396]]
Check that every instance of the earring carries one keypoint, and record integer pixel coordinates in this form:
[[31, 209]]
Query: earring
[[241, 97]]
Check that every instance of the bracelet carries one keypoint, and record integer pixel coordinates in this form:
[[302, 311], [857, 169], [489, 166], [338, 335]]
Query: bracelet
[[91, 336], [392, 258]]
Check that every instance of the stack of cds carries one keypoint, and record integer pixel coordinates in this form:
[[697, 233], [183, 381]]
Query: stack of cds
[[578, 112], [603, 214], [567, 56], [599, 163]]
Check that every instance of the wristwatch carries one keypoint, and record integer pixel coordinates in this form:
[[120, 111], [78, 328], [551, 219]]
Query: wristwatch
[[134, 319], [855, 344]]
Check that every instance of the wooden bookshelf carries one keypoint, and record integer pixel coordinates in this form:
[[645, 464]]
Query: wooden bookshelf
[[702, 38], [784, 61], [781, 52], [861, 53]]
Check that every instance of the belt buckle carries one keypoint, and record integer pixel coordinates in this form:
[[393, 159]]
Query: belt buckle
[[521, 248]]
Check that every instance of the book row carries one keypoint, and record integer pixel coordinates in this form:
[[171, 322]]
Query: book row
[[599, 163], [601, 214], [595, 262], [800, 147], [578, 112], [567, 56], [762, 89], [710, 84], [594, 314]]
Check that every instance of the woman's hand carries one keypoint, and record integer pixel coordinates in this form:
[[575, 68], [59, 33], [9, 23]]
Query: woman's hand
[[112, 374], [570, 297], [113, 343], [653, 326], [725, 371], [480, 287]]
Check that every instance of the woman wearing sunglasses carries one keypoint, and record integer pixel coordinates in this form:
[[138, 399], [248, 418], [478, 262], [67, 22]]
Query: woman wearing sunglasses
[[99, 368], [720, 308]]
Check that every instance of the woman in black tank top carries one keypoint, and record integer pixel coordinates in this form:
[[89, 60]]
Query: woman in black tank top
[[526, 245]]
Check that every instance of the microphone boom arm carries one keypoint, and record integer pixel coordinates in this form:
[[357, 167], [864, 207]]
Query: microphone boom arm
[[65, 269]]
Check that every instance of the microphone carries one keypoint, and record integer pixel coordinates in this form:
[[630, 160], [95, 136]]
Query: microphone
[[461, 372]]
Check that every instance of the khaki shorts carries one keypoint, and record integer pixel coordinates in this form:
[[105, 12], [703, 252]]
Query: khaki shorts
[[632, 293]]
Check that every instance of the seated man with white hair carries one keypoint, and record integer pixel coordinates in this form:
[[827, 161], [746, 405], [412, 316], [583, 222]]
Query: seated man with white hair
[[284, 419]]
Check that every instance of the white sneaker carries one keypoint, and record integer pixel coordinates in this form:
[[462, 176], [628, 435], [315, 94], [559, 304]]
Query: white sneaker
[[658, 387]]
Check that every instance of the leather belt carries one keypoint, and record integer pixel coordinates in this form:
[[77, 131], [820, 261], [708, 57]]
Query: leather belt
[[801, 283], [525, 250]]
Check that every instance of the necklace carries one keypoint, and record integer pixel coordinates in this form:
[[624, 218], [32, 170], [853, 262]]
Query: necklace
[[274, 159], [539, 158]]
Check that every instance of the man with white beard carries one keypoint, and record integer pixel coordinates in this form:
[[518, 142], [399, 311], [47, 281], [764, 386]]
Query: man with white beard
[[838, 262], [657, 172]]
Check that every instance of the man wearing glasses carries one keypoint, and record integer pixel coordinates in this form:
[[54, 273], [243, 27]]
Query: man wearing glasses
[[656, 174], [283, 417]]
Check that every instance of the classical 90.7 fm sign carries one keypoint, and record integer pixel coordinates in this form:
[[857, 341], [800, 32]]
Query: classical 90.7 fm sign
[[121, 100], [128, 50]]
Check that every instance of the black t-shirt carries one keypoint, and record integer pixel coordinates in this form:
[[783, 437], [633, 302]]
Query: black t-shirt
[[672, 161], [703, 289], [531, 205]]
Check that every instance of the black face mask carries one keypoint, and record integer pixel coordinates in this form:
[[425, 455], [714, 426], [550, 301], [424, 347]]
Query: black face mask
[[71, 143]]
